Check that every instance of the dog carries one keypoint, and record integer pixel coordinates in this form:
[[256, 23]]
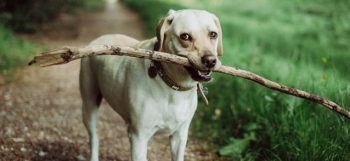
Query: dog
[[153, 96]]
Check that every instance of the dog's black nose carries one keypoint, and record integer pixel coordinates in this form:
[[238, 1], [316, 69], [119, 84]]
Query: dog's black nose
[[209, 61]]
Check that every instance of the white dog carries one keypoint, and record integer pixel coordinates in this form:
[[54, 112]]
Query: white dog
[[152, 96]]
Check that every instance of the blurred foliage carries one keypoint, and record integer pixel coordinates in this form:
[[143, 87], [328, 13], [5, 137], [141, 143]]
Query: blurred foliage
[[300, 43], [13, 51], [236, 146], [151, 18], [26, 15]]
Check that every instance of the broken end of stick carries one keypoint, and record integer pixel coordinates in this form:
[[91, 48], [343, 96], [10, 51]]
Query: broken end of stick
[[31, 62], [53, 57]]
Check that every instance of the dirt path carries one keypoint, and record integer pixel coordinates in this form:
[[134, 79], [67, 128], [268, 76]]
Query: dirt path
[[40, 116]]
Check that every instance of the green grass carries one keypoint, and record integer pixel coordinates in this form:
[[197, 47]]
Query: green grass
[[13, 51], [300, 43]]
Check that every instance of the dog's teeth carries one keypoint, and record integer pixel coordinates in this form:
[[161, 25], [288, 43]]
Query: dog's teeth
[[204, 73]]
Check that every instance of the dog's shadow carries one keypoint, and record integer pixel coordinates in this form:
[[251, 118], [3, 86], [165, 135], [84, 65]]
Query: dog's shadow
[[64, 151]]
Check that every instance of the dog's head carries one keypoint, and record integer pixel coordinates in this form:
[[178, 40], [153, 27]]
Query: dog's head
[[195, 34]]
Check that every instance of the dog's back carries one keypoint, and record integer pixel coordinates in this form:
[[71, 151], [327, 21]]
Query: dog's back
[[96, 71]]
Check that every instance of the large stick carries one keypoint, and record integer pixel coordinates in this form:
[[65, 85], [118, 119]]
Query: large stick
[[67, 54]]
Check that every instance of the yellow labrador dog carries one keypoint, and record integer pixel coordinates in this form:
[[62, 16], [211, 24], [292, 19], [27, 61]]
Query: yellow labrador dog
[[152, 96]]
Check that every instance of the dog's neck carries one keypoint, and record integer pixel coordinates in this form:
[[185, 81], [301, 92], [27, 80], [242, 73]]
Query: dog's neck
[[179, 75], [175, 72]]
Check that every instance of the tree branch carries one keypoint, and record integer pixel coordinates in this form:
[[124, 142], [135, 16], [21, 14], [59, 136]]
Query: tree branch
[[67, 54]]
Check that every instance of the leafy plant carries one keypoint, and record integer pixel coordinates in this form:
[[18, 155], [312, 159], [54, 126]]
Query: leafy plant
[[237, 146]]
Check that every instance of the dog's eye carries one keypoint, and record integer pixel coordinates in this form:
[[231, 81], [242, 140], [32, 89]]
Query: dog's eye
[[186, 37], [213, 35]]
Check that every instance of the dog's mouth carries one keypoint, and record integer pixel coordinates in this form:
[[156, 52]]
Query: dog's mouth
[[199, 75]]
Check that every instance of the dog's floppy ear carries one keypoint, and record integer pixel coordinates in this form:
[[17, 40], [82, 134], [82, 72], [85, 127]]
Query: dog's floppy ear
[[220, 48], [162, 27]]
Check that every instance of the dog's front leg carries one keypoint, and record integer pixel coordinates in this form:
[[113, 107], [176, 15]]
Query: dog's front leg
[[178, 142], [139, 140]]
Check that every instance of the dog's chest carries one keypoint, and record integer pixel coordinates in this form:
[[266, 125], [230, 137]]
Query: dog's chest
[[176, 110], [144, 102]]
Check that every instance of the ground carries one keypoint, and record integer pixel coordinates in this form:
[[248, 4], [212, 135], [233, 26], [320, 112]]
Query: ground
[[40, 115]]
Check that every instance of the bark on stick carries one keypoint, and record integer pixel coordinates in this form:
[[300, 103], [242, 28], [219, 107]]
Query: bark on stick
[[67, 54]]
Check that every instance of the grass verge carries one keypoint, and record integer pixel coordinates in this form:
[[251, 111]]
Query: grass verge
[[13, 51]]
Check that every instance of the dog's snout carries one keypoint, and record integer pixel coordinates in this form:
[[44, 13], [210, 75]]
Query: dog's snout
[[209, 61]]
